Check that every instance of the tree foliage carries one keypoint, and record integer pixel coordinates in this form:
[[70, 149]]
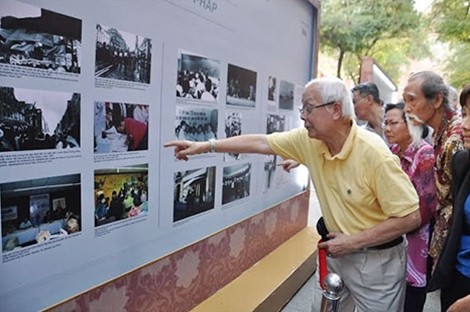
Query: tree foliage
[[451, 21], [357, 28]]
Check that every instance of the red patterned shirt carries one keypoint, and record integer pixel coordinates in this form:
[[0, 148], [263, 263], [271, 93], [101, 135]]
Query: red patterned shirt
[[447, 140]]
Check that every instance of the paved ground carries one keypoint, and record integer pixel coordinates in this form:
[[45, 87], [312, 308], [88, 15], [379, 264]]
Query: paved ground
[[303, 299]]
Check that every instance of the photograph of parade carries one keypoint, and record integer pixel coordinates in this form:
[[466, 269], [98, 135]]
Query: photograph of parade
[[196, 124], [38, 119], [39, 210], [286, 95], [121, 55], [194, 192], [233, 127], [198, 77], [39, 38], [241, 86], [120, 127], [120, 193], [236, 183]]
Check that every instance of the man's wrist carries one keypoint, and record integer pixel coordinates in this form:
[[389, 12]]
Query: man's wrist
[[212, 145]]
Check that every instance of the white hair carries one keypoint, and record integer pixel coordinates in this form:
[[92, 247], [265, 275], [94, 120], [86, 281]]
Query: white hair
[[333, 89]]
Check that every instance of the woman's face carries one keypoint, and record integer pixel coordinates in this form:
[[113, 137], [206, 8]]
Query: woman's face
[[395, 128]]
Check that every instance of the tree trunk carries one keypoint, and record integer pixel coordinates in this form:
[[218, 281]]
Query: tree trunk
[[340, 63]]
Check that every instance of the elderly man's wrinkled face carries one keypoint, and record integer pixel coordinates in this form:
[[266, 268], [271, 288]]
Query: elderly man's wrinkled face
[[416, 105], [314, 113]]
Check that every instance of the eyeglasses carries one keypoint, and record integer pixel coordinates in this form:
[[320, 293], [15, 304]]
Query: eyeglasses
[[391, 123], [310, 108]]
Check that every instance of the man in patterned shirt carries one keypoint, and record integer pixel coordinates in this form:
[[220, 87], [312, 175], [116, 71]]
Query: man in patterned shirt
[[426, 100]]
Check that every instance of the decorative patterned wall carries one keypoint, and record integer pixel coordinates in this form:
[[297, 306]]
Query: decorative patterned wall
[[187, 277]]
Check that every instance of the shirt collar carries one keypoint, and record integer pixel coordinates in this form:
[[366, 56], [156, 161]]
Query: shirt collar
[[347, 146]]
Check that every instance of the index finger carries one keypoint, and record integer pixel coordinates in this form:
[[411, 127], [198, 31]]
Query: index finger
[[173, 143]]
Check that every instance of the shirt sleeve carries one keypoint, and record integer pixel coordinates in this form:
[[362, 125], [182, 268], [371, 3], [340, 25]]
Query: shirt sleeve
[[394, 190]]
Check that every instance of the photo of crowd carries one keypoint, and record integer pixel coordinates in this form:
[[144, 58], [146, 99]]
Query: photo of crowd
[[233, 127], [40, 210], [241, 86], [196, 124], [38, 119], [286, 95], [194, 192], [198, 77], [121, 55], [120, 127], [120, 193], [236, 183], [39, 38]]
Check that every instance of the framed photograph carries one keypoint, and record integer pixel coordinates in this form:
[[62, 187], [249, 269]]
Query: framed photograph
[[241, 86], [121, 55], [193, 192], [39, 120], [198, 77], [39, 38]]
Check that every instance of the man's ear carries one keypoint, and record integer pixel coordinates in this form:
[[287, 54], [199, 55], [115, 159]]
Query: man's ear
[[438, 100], [337, 111]]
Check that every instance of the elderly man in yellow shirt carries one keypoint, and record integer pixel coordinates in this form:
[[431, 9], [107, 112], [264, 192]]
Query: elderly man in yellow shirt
[[367, 201]]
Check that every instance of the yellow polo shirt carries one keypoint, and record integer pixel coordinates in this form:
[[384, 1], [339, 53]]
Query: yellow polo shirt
[[359, 187]]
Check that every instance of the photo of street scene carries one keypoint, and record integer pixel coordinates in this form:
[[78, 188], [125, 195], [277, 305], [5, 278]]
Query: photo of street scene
[[286, 95], [194, 192], [121, 55], [39, 38], [236, 183], [120, 193], [39, 210], [198, 77], [196, 124], [38, 119], [120, 127], [241, 86]]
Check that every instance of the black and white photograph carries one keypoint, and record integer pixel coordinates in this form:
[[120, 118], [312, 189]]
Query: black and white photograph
[[241, 86], [38, 119], [120, 127], [40, 210], [269, 169], [275, 123], [272, 92], [39, 38], [233, 127], [196, 124], [198, 77], [120, 193], [286, 95], [236, 183], [122, 55], [194, 192]]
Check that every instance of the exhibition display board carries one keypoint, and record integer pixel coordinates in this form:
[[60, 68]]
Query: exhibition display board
[[90, 91]]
